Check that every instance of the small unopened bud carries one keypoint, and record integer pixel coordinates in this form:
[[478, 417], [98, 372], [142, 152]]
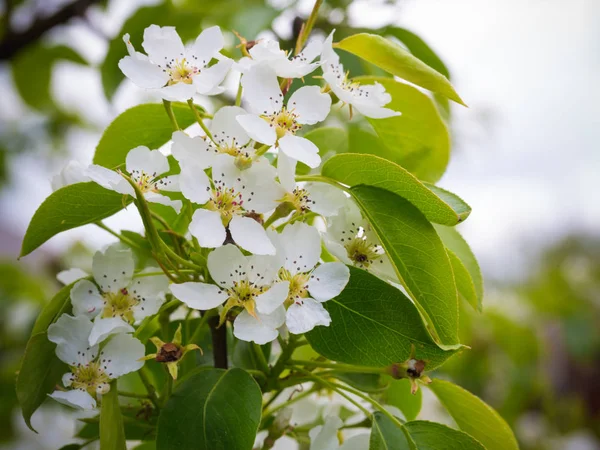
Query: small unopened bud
[[169, 352], [413, 370]]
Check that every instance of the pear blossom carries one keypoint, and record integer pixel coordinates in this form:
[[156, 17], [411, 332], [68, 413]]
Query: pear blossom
[[350, 238], [73, 172], [273, 123], [267, 51], [242, 281], [117, 300], [325, 437], [310, 283], [369, 99], [175, 72], [91, 368], [145, 168]]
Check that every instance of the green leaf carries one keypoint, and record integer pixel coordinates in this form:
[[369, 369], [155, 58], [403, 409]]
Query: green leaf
[[329, 141], [374, 324], [455, 202], [474, 416], [60, 304], [40, 372], [112, 431], [418, 256], [355, 169], [250, 21], [464, 283], [211, 410], [70, 207], [146, 125], [392, 58], [398, 394], [418, 139], [454, 241]]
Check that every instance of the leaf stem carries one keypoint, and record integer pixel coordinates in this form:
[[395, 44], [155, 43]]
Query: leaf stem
[[200, 121], [338, 366], [117, 235], [322, 179], [143, 372], [171, 115], [260, 356], [238, 96], [300, 396], [308, 26]]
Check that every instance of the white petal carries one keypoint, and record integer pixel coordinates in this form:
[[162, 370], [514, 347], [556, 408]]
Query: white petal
[[311, 105], [71, 275], [109, 179], [325, 437], [267, 50], [261, 90], [113, 269], [194, 184], [300, 245], [303, 316], [327, 200], [272, 299], [207, 45], [311, 50], [178, 92], [150, 292], [208, 80], [358, 442], [264, 196], [199, 295], [74, 398], [227, 265], [225, 171], [153, 197], [337, 249], [168, 184], [301, 149], [262, 269], [334, 79], [251, 236], [73, 172], [143, 73], [328, 281], [207, 227], [67, 379], [104, 328], [122, 355], [257, 128], [162, 44], [226, 129], [376, 112], [328, 56], [86, 299], [70, 334], [286, 169], [188, 150], [260, 330]]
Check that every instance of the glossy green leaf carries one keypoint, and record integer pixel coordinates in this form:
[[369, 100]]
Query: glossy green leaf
[[464, 283], [329, 140], [355, 169], [146, 125], [253, 19], [418, 139], [399, 394], [386, 435], [374, 324], [418, 256], [474, 416], [394, 59], [454, 241], [211, 410], [112, 431], [70, 207], [40, 372]]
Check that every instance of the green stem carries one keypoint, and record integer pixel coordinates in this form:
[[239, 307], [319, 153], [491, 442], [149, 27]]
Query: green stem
[[179, 259], [322, 179], [338, 367], [238, 96], [298, 397], [308, 26], [279, 367], [262, 150], [200, 121], [260, 356], [143, 372], [117, 235], [133, 395], [171, 115], [257, 373]]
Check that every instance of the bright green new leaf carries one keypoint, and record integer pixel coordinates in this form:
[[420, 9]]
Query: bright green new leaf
[[374, 324], [70, 207], [112, 431], [453, 241], [40, 372], [146, 125], [464, 283], [392, 58], [418, 256], [419, 138], [355, 169], [211, 410], [474, 416], [398, 394]]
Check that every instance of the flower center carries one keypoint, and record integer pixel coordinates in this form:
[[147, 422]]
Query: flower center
[[299, 199], [362, 252], [90, 378], [180, 71], [119, 304], [227, 202], [244, 291], [284, 121], [298, 285], [144, 180]]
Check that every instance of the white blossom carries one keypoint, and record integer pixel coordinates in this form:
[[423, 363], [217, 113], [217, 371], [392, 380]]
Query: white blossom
[[73, 172], [325, 437], [175, 72]]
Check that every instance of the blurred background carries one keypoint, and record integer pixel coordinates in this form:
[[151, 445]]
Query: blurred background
[[525, 156]]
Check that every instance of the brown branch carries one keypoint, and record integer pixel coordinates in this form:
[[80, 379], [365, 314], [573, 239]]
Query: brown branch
[[14, 41], [219, 339]]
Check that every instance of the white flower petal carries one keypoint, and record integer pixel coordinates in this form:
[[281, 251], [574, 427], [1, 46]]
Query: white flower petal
[[109, 179], [199, 296], [70, 334], [208, 80], [261, 90], [226, 129], [300, 246], [192, 150], [303, 316], [264, 196], [262, 269], [122, 355], [262, 329], [168, 184], [194, 184], [337, 249], [162, 44], [143, 73], [150, 292], [207, 45], [257, 128], [69, 276], [328, 281], [86, 299], [324, 437], [67, 379], [153, 197], [334, 78], [227, 265], [73, 172], [75, 399], [104, 328], [328, 56], [267, 50], [178, 92], [301, 149], [358, 442], [311, 50], [272, 299], [113, 268], [251, 236], [327, 200], [376, 112], [286, 169], [311, 105], [207, 227]]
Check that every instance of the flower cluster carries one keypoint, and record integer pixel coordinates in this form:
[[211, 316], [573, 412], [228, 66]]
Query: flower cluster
[[275, 246]]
